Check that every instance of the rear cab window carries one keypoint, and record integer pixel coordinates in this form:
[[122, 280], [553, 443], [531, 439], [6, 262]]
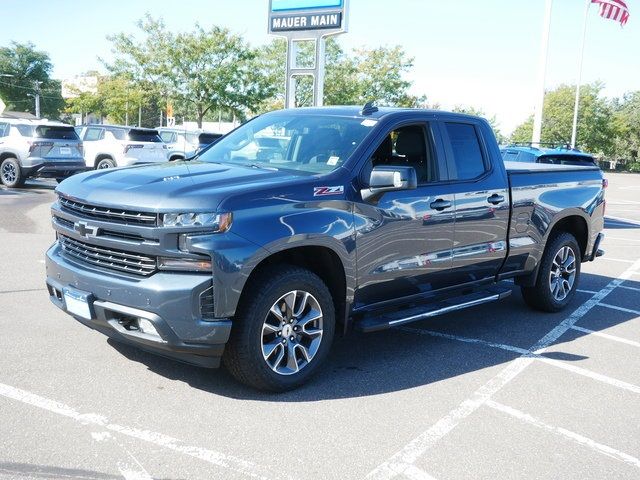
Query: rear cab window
[[466, 149]]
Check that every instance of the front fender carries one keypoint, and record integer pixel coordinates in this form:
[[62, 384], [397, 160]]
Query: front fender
[[257, 234]]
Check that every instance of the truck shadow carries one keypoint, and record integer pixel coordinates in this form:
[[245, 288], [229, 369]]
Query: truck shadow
[[405, 358]]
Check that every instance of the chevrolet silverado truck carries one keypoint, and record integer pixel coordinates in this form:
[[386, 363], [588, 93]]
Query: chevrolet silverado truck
[[256, 256]]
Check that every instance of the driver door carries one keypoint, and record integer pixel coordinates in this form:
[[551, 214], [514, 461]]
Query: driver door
[[405, 238]]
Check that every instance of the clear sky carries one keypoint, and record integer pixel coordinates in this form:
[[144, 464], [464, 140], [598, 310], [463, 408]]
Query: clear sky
[[482, 53]]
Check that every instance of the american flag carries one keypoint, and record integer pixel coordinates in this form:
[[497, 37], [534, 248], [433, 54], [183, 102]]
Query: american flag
[[614, 10]]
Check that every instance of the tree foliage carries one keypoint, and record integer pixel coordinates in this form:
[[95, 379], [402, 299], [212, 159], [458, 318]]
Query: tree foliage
[[201, 70], [626, 122], [24, 71], [596, 132], [350, 79], [117, 98]]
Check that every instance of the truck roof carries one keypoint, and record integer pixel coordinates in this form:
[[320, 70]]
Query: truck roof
[[373, 113]]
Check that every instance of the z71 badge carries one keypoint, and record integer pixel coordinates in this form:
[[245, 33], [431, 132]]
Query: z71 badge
[[322, 191]]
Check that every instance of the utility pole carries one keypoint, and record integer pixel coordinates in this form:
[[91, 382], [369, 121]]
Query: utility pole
[[576, 107], [542, 71], [37, 96]]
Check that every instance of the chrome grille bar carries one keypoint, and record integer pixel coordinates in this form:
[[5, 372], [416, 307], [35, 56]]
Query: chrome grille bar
[[108, 258], [108, 214]]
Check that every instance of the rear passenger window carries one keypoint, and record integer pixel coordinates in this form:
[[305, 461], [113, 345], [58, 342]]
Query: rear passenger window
[[4, 129], [93, 134], [467, 153]]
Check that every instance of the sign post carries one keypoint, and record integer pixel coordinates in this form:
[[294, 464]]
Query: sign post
[[307, 21]]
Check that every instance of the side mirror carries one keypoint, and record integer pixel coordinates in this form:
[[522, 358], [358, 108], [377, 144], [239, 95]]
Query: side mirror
[[389, 179]]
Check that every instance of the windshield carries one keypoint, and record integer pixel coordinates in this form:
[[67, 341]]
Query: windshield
[[307, 143]]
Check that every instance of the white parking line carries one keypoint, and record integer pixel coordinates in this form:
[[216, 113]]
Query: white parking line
[[556, 363], [586, 291], [412, 451], [576, 437], [630, 288], [620, 309], [606, 335], [215, 458], [510, 348], [614, 382], [414, 473], [621, 260]]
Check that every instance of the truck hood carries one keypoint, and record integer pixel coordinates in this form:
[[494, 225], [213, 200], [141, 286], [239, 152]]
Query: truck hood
[[174, 186]]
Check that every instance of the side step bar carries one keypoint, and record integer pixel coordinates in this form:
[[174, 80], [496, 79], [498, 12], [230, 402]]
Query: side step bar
[[373, 322]]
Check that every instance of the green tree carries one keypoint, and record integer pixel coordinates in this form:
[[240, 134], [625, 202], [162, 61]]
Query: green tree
[[626, 122], [202, 70], [350, 79], [117, 97], [595, 128], [26, 71]]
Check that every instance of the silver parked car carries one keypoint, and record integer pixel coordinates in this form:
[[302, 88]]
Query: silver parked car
[[37, 148]]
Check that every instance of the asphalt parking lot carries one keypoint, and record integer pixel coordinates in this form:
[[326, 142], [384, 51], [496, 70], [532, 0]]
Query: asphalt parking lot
[[495, 392]]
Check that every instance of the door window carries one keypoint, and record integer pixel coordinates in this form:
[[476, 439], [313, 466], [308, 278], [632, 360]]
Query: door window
[[409, 146], [93, 134], [466, 149], [4, 129]]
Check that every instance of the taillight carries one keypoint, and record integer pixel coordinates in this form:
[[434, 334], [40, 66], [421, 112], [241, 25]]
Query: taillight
[[35, 145]]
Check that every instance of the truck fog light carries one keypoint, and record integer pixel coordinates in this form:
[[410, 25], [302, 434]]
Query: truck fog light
[[147, 327]]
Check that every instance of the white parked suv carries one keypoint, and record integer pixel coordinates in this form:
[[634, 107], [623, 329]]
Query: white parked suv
[[183, 143], [108, 146], [38, 148]]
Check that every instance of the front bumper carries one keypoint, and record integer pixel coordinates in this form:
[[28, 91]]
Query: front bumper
[[170, 301]]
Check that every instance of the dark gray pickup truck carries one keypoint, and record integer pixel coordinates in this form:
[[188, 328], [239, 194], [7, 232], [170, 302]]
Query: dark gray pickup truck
[[301, 224]]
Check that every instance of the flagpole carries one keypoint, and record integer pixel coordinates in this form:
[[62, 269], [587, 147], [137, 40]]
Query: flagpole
[[574, 132], [542, 74]]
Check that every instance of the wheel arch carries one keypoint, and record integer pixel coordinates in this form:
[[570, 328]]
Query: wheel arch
[[575, 223], [322, 260]]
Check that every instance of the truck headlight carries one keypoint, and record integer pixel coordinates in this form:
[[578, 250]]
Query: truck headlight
[[218, 222]]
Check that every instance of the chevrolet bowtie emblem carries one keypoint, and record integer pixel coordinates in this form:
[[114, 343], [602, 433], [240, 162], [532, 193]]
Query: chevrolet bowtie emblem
[[85, 230]]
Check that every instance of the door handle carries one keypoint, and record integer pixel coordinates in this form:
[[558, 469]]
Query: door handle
[[495, 199], [440, 204]]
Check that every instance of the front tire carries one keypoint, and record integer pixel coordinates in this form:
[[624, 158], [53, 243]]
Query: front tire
[[558, 275], [11, 174], [283, 330]]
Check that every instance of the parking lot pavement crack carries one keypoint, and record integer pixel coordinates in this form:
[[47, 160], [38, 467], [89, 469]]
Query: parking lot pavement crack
[[217, 459], [576, 437], [416, 448]]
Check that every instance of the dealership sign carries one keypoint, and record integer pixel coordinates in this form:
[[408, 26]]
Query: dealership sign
[[306, 16]]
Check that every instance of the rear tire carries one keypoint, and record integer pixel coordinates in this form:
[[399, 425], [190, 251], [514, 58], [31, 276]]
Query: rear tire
[[105, 163], [11, 174], [558, 275], [283, 331]]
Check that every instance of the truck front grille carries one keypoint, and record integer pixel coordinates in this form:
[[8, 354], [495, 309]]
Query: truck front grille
[[108, 214], [107, 258]]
